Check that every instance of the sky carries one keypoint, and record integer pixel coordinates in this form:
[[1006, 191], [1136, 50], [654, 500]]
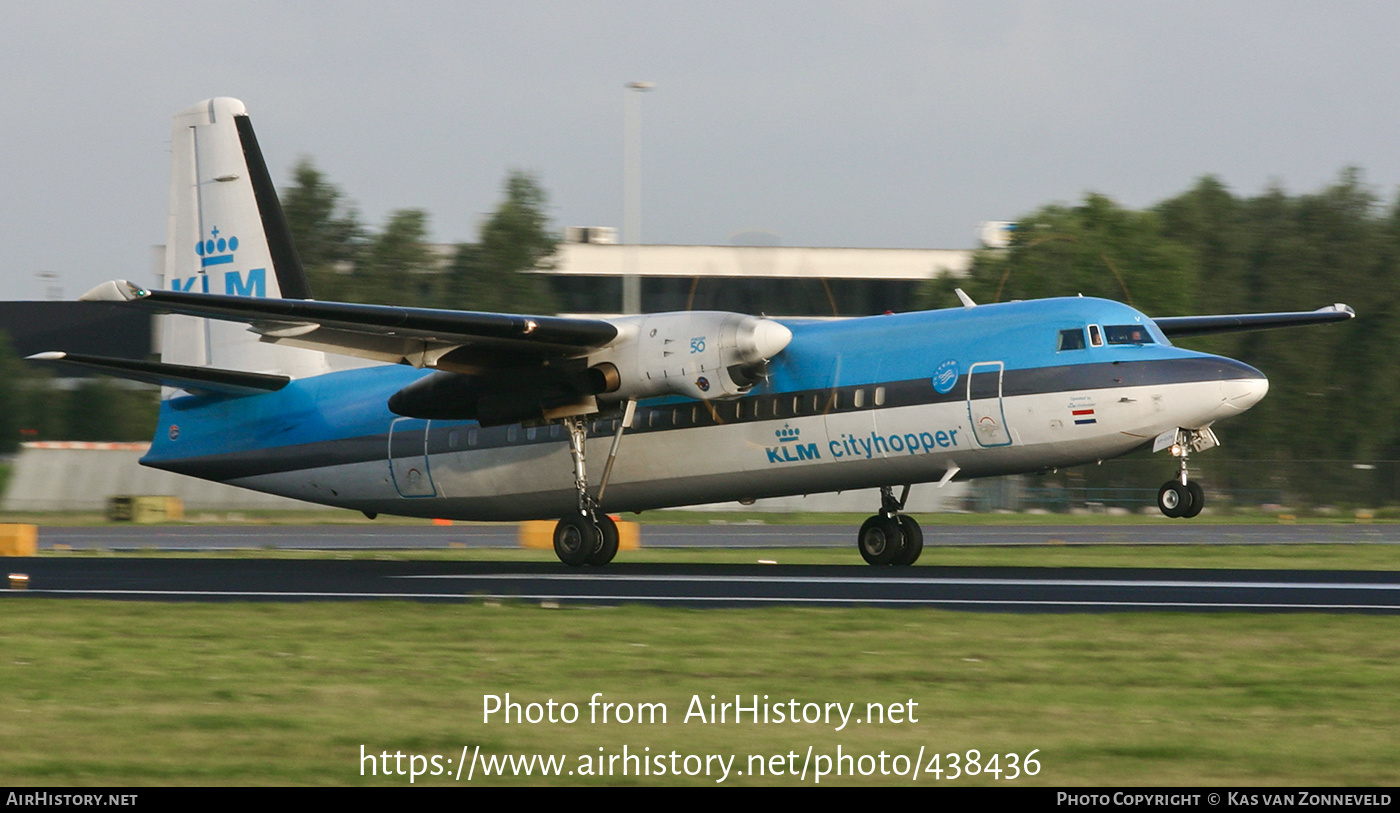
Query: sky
[[864, 124]]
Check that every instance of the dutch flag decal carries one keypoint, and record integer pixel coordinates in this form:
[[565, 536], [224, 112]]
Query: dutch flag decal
[[1083, 416]]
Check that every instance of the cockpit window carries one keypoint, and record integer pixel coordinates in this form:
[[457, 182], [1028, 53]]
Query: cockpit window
[[1072, 339], [1127, 334]]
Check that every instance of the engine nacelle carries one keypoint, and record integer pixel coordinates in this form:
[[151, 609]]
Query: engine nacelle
[[696, 354]]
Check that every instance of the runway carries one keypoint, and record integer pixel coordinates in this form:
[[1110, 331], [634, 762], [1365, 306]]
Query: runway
[[1003, 589], [718, 535]]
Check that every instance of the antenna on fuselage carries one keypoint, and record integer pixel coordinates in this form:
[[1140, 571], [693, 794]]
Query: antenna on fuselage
[[964, 298]]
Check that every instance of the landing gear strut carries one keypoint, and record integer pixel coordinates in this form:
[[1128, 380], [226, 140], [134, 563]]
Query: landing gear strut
[[889, 537], [587, 536], [1182, 496]]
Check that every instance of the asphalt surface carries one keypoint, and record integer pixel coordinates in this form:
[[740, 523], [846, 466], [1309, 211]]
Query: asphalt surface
[[1012, 589], [362, 537]]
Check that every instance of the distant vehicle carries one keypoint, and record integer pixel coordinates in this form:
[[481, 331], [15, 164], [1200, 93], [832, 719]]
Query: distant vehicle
[[483, 416]]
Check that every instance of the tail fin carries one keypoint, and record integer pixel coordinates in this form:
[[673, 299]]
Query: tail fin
[[226, 234]]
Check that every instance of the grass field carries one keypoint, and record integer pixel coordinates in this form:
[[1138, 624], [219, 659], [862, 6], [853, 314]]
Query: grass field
[[126, 693]]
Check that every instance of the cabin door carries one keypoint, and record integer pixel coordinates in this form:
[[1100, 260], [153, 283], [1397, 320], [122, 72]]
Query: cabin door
[[984, 404], [408, 458]]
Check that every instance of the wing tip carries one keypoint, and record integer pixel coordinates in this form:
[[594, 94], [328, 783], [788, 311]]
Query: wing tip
[[115, 290]]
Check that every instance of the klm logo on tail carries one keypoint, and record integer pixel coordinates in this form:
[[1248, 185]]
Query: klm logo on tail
[[216, 251]]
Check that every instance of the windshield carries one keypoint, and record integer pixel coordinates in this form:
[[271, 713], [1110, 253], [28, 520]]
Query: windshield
[[1127, 334]]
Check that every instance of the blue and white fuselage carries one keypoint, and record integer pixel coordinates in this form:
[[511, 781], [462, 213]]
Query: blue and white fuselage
[[848, 404]]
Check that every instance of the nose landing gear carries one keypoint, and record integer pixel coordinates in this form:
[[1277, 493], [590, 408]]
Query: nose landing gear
[[889, 537], [1182, 496], [1181, 499]]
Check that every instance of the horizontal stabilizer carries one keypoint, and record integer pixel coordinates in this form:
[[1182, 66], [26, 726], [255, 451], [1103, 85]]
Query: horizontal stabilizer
[[1186, 326], [195, 379], [384, 332]]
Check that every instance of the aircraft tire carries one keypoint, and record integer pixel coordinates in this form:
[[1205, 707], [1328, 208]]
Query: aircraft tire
[[913, 542], [607, 542], [575, 539], [881, 539], [1198, 500], [1173, 499]]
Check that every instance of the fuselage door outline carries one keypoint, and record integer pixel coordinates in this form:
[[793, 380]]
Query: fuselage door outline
[[409, 467], [984, 404]]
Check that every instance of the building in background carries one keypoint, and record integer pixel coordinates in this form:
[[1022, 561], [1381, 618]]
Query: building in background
[[774, 280]]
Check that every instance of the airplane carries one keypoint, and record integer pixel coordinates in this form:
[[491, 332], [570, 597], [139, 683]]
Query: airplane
[[483, 416]]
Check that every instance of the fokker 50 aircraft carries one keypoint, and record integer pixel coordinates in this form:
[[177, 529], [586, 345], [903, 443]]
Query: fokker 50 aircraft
[[483, 416]]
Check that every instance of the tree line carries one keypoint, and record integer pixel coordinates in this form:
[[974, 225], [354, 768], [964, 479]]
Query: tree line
[[34, 405], [1329, 430], [347, 262]]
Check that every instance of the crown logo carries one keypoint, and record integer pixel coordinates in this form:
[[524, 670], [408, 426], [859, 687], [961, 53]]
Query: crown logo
[[216, 250], [787, 433]]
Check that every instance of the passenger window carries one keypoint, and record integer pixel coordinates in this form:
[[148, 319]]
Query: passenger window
[[858, 399], [1072, 339], [879, 396]]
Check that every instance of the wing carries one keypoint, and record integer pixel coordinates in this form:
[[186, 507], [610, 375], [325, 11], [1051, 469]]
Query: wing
[[502, 368], [206, 380], [464, 341], [1186, 326]]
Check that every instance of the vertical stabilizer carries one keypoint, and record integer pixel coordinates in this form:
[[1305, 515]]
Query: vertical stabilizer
[[226, 234]]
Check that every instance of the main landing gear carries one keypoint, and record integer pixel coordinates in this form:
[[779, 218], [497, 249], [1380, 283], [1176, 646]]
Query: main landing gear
[[587, 536], [1182, 496], [890, 537]]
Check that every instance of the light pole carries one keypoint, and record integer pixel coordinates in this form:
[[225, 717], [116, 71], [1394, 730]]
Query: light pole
[[632, 193], [53, 289]]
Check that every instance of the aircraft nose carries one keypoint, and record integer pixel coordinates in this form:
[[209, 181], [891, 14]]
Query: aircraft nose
[[1241, 386]]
